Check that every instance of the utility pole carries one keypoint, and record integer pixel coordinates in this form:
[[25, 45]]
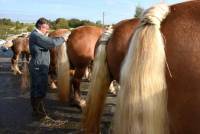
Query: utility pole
[[103, 18]]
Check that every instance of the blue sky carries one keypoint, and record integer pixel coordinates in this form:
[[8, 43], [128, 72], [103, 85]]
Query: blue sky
[[115, 10]]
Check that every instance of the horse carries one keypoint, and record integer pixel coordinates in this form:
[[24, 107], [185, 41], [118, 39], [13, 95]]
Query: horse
[[110, 63], [20, 46], [81, 45], [159, 77], [9, 40]]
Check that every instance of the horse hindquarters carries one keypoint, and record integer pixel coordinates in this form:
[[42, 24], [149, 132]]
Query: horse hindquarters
[[142, 106]]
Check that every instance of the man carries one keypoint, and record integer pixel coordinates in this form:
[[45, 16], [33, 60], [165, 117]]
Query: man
[[39, 45]]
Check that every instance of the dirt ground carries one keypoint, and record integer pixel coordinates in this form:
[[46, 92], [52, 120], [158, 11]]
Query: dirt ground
[[15, 110]]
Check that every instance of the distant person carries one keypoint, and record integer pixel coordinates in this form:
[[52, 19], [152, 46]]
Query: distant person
[[39, 44]]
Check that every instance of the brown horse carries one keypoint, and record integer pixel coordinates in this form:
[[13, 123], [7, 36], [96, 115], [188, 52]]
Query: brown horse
[[115, 51], [143, 105], [80, 51], [20, 46]]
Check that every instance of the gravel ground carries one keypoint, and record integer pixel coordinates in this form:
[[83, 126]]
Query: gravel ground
[[15, 111]]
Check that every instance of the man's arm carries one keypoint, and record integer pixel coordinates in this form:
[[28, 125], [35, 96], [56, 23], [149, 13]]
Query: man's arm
[[48, 42]]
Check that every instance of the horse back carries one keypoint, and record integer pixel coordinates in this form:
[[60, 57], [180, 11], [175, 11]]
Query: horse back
[[20, 44], [58, 32]]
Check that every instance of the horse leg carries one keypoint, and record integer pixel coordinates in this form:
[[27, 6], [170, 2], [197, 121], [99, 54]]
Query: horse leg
[[87, 75], [114, 87], [14, 61], [52, 82], [27, 57], [52, 78], [71, 95], [75, 93], [22, 56]]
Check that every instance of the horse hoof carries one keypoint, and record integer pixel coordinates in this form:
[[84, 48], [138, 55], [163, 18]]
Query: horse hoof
[[14, 72], [53, 86], [19, 72], [80, 104]]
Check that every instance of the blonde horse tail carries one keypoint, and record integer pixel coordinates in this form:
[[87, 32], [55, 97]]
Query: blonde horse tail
[[98, 89], [25, 79], [142, 101], [63, 77], [97, 93]]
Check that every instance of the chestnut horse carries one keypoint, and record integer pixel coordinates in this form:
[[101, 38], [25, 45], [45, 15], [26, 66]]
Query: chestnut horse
[[158, 44], [118, 43], [19, 46], [80, 51]]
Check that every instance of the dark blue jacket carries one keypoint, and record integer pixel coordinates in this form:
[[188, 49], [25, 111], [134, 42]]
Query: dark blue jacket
[[39, 48]]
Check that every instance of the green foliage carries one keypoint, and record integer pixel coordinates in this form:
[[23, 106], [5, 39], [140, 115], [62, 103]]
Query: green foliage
[[138, 12], [60, 23], [73, 23], [18, 25], [7, 22], [9, 27], [87, 23], [30, 28], [98, 23]]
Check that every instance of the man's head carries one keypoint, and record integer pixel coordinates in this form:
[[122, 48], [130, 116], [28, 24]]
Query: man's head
[[43, 25]]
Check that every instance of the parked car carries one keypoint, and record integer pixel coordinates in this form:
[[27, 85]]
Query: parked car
[[2, 42]]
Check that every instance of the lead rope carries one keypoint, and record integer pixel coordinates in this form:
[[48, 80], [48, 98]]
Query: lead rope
[[48, 121], [170, 74]]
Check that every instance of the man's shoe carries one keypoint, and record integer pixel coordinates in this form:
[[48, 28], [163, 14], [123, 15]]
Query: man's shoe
[[38, 107]]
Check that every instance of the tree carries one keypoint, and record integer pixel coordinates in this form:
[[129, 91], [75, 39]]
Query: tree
[[7, 22], [98, 23], [18, 25], [61, 23], [138, 12], [73, 23], [30, 28], [87, 23]]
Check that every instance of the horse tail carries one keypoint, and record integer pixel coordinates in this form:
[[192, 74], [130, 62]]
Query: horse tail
[[142, 102], [99, 86], [25, 79], [63, 77]]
